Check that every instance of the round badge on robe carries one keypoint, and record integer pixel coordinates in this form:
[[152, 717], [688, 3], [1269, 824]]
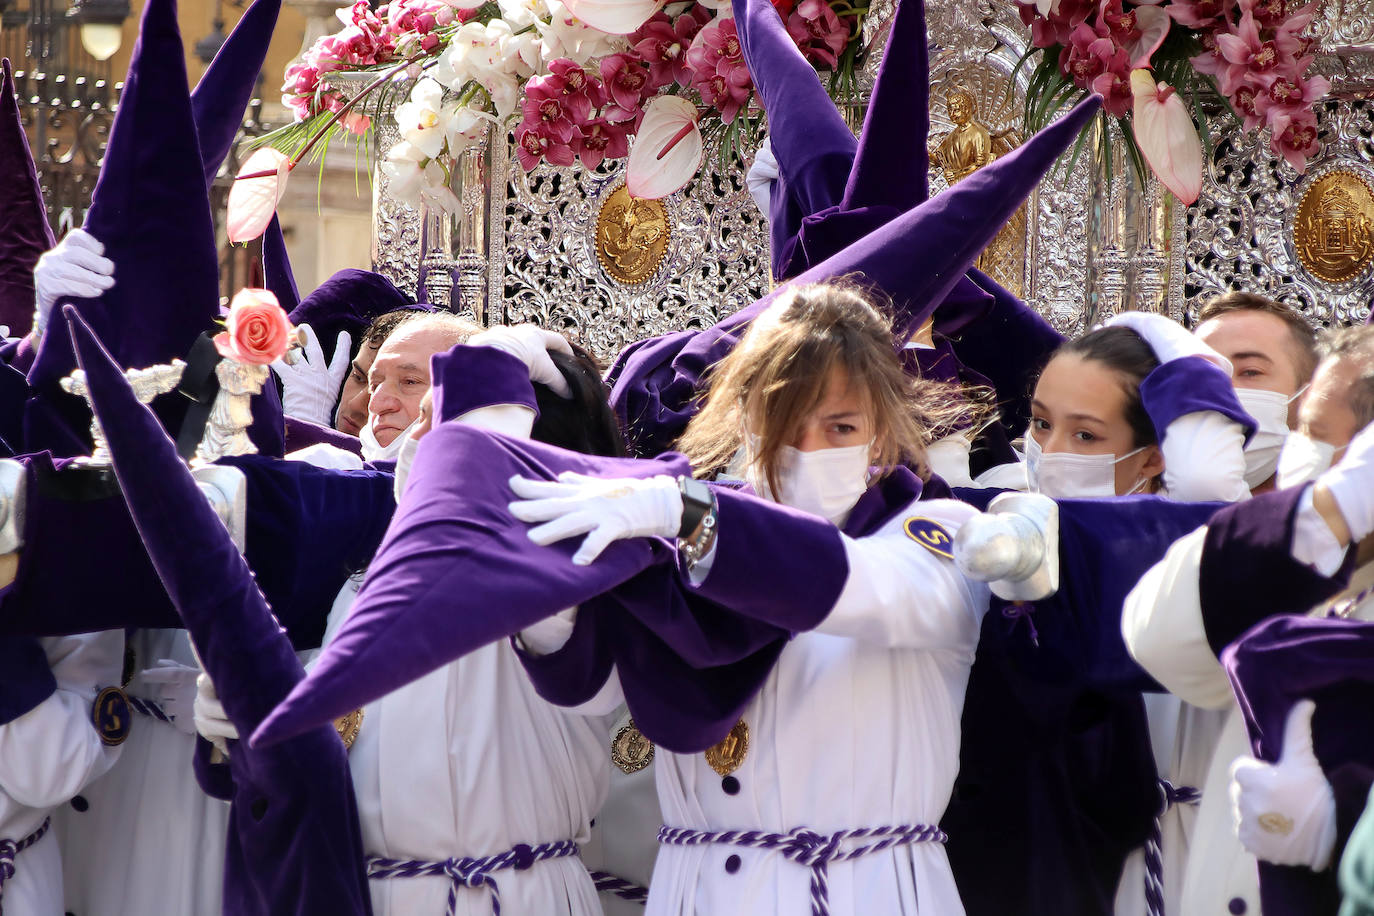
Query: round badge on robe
[[111, 716], [631, 750], [726, 755], [930, 535]]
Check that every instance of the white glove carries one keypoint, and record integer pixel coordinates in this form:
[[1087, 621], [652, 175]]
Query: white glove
[[761, 176], [530, 344], [1285, 812], [1351, 483], [605, 509], [214, 726], [1169, 339], [76, 266], [172, 686], [309, 388]]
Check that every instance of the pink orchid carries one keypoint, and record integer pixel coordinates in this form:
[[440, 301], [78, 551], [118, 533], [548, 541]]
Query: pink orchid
[[1284, 93], [567, 83], [663, 44], [1295, 136], [716, 61], [1055, 27], [614, 17], [550, 117], [1151, 26], [1089, 53], [626, 79], [667, 150], [819, 32], [1200, 14], [1245, 51], [1245, 103], [533, 144], [1114, 85], [252, 201], [1166, 136], [601, 139]]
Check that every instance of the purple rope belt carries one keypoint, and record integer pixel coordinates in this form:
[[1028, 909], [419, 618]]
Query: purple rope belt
[[626, 890], [808, 848], [148, 708], [1169, 795], [10, 849], [471, 872]]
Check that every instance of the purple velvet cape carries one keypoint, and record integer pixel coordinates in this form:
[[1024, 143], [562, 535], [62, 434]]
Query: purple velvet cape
[[1056, 781], [1331, 661], [150, 210], [302, 433], [294, 842], [24, 230], [25, 678], [917, 258], [83, 567]]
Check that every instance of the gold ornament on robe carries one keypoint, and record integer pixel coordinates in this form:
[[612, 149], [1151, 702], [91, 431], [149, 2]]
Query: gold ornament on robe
[[726, 755], [1333, 233], [348, 727], [632, 237], [631, 750], [968, 147]]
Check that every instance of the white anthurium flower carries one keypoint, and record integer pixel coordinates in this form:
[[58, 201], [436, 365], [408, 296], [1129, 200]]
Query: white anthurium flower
[[421, 117], [564, 35], [434, 190]]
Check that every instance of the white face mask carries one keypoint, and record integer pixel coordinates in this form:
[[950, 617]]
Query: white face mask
[[1065, 475], [826, 482], [404, 459], [375, 451], [1302, 460], [1270, 410]]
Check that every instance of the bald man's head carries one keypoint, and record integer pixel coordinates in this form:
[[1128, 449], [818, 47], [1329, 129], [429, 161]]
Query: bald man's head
[[399, 377]]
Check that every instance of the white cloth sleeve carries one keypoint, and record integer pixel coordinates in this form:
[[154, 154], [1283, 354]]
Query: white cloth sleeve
[[1204, 459], [515, 420], [1162, 626], [550, 634], [900, 594], [324, 455], [1313, 542]]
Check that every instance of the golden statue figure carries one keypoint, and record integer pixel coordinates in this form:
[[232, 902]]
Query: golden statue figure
[[965, 150], [631, 237]]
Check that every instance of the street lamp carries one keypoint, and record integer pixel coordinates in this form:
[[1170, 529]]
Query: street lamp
[[102, 25]]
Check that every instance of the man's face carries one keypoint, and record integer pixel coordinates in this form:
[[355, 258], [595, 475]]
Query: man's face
[[1326, 415], [1261, 349], [352, 413], [399, 378]]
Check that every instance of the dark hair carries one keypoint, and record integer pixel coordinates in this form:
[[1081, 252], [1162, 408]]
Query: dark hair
[[1355, 343], [1303, 336], [585, 422], [1126, 353], [384, 324]]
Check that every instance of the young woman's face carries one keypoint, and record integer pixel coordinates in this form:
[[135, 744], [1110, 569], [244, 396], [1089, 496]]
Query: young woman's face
[[1079, 407], [840, 420]]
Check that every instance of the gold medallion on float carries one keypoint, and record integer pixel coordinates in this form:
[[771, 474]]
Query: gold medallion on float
[[1333, 232], [631, 750], [726, 755], [631, 237]]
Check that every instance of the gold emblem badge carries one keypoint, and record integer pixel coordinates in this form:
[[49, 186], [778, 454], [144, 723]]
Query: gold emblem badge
[[726, 755], [931, 536], [1273, 822], [630, 750], [347, 726], [111, 716], [1333, 232], [631, 237]]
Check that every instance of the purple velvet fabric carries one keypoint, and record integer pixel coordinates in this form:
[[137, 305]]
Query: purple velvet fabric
[[295, 845], [302, 433], [25, 678], [220, 99], [276, 267], [24, 230], [1289, 658], [348, 301], [465, 378], [150, 210], [1248, 571], [1188, 385], [917, 258]]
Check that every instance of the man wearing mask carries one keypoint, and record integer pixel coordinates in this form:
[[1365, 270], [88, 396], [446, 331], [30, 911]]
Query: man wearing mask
[[1275, 555], [1273, 352]]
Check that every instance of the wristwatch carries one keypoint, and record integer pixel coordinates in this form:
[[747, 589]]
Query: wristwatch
[[697, 502]]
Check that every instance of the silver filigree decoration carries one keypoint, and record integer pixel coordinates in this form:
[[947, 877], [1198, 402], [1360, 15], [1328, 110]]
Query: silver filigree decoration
[[226, 431], [146, 383]]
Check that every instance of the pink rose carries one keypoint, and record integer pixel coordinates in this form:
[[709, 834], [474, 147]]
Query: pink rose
[[258, 331]]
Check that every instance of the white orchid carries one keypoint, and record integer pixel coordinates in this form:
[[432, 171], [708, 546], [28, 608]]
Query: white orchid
[[523, 13], [513, 54], [564, 35], [434, 189], [403, 167], [421, 117], [469, 55], [466, 127]]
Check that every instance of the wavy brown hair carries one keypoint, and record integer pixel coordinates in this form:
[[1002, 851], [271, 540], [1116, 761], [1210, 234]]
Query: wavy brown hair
[[777, 375]]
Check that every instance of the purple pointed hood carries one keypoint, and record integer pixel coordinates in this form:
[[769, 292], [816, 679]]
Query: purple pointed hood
[[348, 301], [294, 805], [24, 230], [151, 212], [917, 259]]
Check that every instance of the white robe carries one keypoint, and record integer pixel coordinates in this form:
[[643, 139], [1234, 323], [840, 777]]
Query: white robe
[[48, 755], [469, 761], [1164, 631], [857, 726], [624, 840], [148, 831]]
